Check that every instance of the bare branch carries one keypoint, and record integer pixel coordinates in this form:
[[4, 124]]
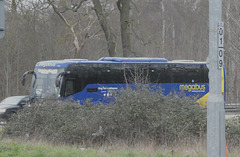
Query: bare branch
[[72, 6], [76, 7], [135, 6], [75, 42]]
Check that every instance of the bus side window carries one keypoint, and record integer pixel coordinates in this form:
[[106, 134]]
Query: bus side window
[[159, 74], [69, 88], [117, 74], [204, 74]]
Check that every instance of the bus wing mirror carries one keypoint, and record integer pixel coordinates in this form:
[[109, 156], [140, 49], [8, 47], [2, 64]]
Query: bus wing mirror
[[26, 73], [57, 83], [24, 77], [23, 81]]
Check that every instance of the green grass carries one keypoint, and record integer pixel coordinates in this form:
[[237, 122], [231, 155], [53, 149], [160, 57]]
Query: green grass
[[16, 148], [26, 149], [40, 150], [33, 149]]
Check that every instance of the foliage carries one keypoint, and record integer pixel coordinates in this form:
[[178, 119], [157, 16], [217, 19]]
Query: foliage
[[233, 132], [136, 115]]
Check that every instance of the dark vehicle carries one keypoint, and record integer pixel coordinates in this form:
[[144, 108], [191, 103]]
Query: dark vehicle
[[11, 105]]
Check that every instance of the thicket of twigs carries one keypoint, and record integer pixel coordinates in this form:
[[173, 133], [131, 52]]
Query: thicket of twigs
[[136, 115]]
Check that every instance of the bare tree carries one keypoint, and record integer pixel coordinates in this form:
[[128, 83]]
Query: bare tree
[[232, 51], [109, 35], [14, 6], [68, 24], [124, 8], [153, 28]]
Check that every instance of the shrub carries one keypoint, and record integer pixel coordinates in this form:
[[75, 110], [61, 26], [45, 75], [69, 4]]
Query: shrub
[[233, 131], [134, 116]]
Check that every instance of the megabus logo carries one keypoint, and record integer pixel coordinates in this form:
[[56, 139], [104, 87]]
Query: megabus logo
[[47, 64], [192, 87]]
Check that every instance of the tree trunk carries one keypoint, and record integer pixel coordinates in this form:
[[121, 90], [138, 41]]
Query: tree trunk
[[163, 28], [14, 7], [110, 37], [124, 8]]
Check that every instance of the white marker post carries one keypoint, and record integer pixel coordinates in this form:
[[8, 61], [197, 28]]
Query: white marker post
[[220, 45], [215, 103]]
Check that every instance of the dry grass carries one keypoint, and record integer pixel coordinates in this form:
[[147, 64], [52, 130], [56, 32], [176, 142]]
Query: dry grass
[[141, 149], [151, 149]]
